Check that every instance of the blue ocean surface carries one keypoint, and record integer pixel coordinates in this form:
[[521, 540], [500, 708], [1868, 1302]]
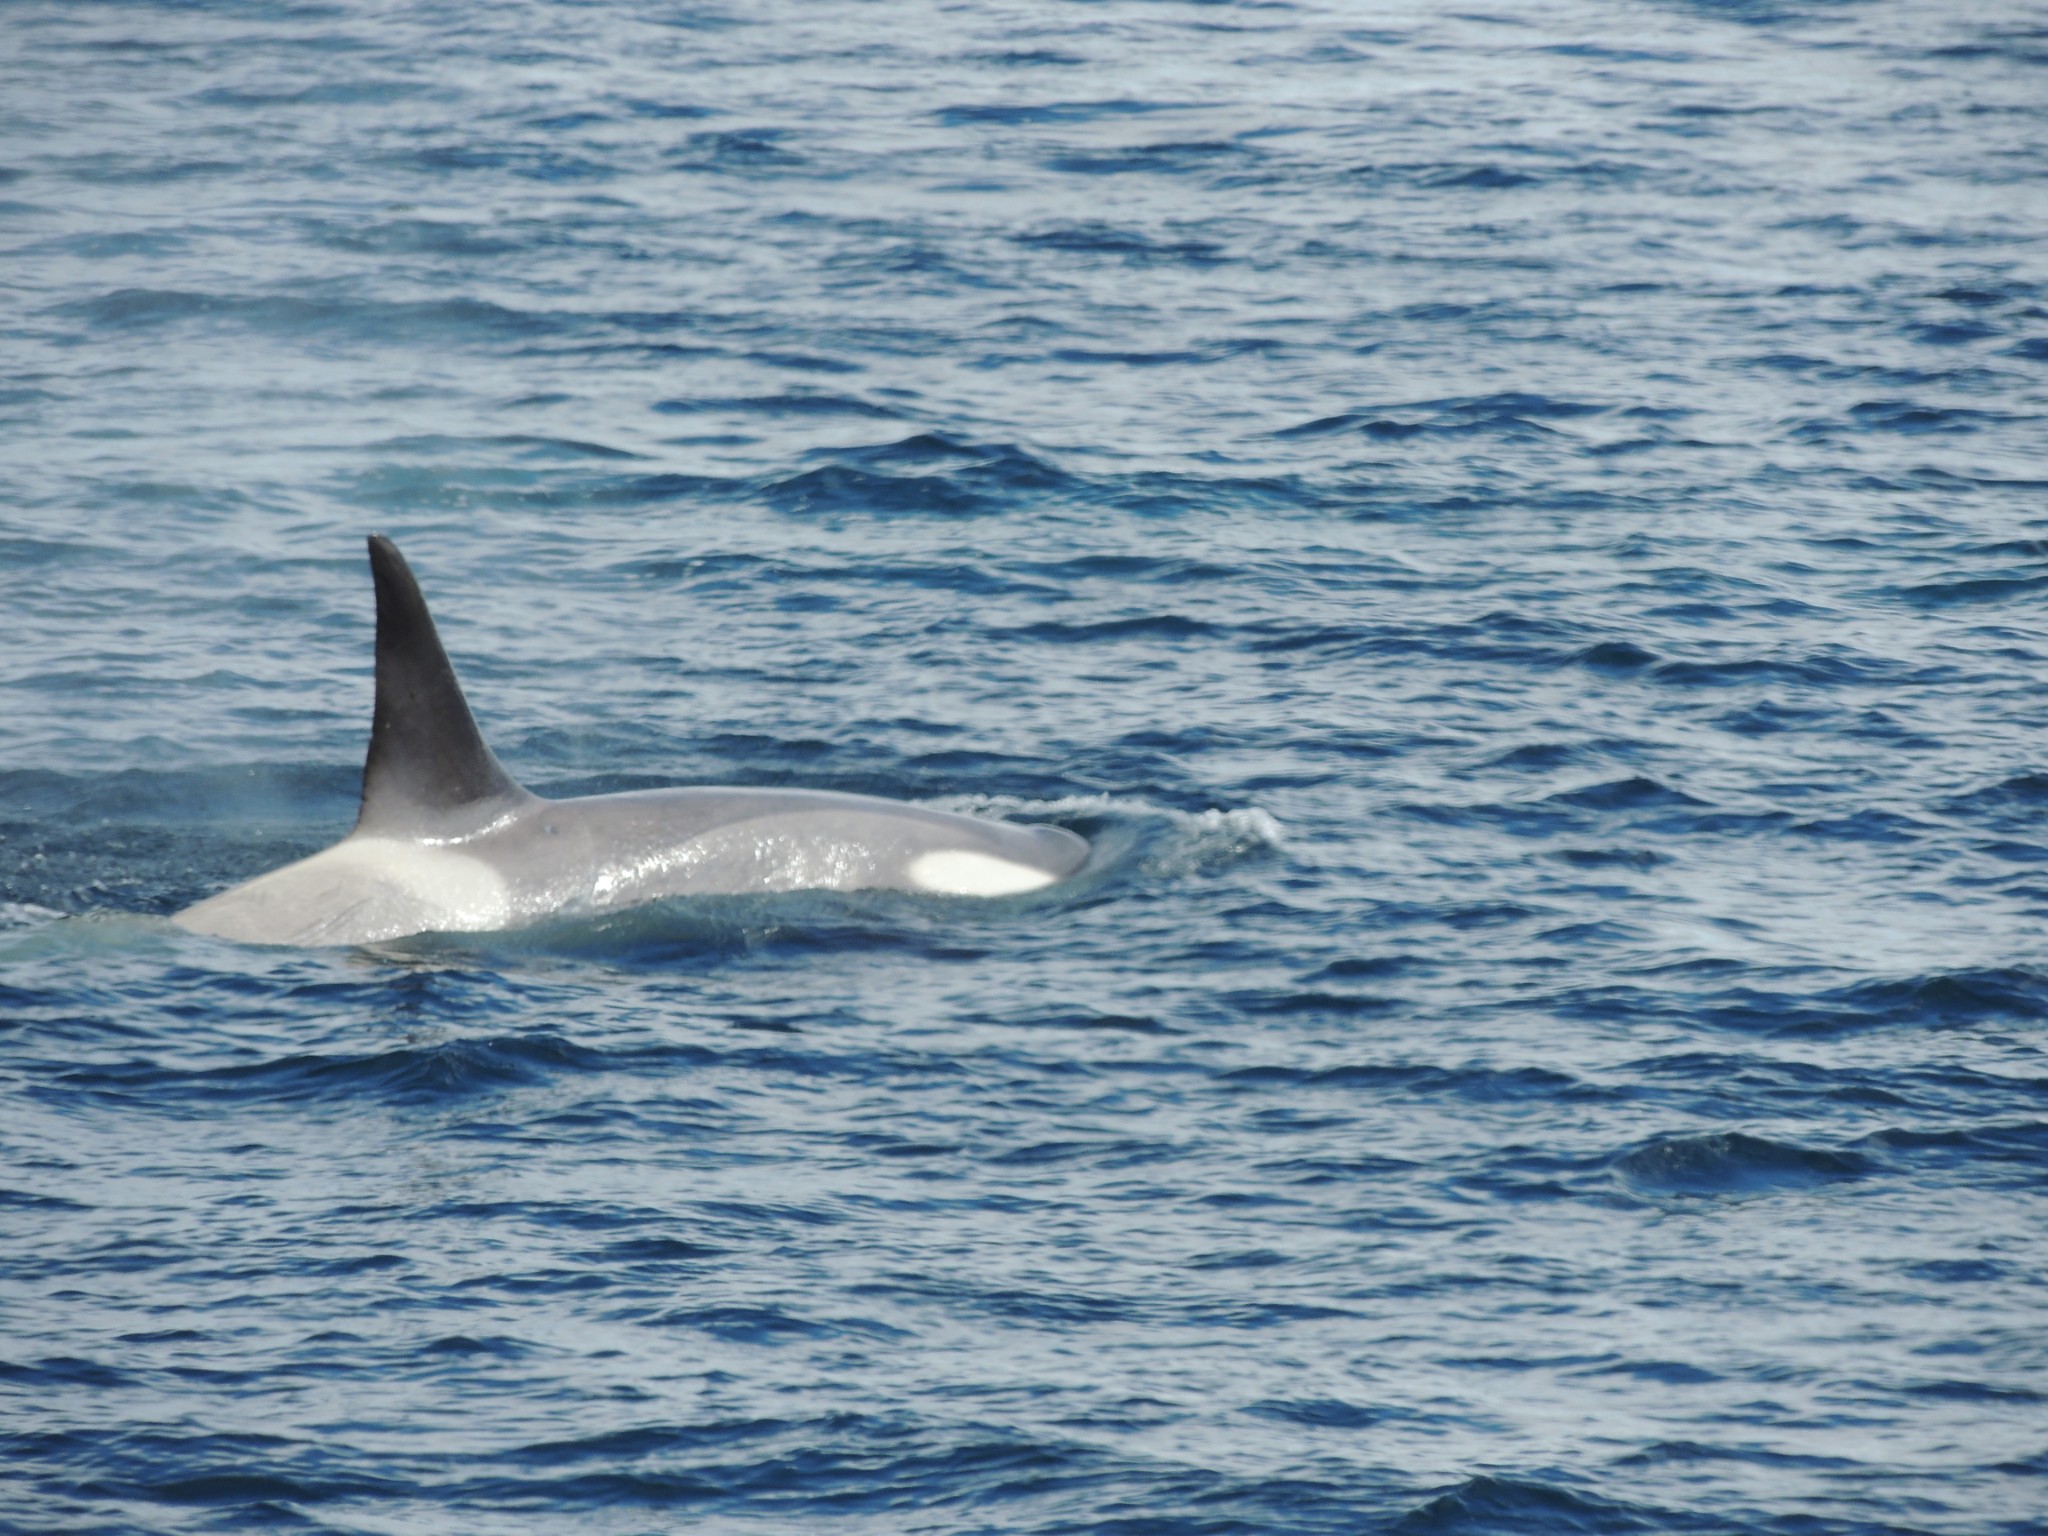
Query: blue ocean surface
[[1519, 531]]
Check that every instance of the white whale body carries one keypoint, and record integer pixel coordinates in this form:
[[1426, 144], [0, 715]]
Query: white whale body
[[447, 841]]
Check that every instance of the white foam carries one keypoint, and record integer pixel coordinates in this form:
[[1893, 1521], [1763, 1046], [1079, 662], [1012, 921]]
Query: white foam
[[1248, 826], [1136, 836], [962, 872], [25, 914]]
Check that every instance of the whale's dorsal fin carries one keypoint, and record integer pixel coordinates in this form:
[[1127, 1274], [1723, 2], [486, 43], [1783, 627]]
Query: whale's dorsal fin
[[428, 768]]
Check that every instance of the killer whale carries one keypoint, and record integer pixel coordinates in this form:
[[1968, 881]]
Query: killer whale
[[446, 840]]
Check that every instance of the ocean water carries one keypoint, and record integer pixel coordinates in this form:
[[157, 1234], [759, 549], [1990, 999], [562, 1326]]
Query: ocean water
[[1520, 532]]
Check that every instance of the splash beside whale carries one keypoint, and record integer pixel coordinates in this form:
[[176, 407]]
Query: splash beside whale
[[447, 841]]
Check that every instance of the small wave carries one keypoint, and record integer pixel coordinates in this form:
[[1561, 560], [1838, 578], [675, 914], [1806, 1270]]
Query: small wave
[[1910, 416], [1958, 591], [650, 1440], [1456, 417], [2023, 794], [1610, 858], [442, 446], [1488, 178], [1542, 756], [255, 1473], [921, 450], [1731, 1163], [1325, 1413], [1489, 1504], [771, 1325], [2005, 1153], [1680, 1452], [1952, 997], [1624, 795], [1486, 1085], [1172, 627], [410, 237], [289, 314], [988, 481], [1124, 245], [411, 1074], [742, 152], [1167, 157], [1009, 115], [796, 404], [1615, 656]]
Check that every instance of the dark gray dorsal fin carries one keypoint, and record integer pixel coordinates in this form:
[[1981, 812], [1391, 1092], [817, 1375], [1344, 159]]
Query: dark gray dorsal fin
[[428, 766]]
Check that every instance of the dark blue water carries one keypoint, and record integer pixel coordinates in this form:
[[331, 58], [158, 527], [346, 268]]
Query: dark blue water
[[1521, 533]]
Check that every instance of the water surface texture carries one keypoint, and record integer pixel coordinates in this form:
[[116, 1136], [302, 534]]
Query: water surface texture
[[1521, 532]]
